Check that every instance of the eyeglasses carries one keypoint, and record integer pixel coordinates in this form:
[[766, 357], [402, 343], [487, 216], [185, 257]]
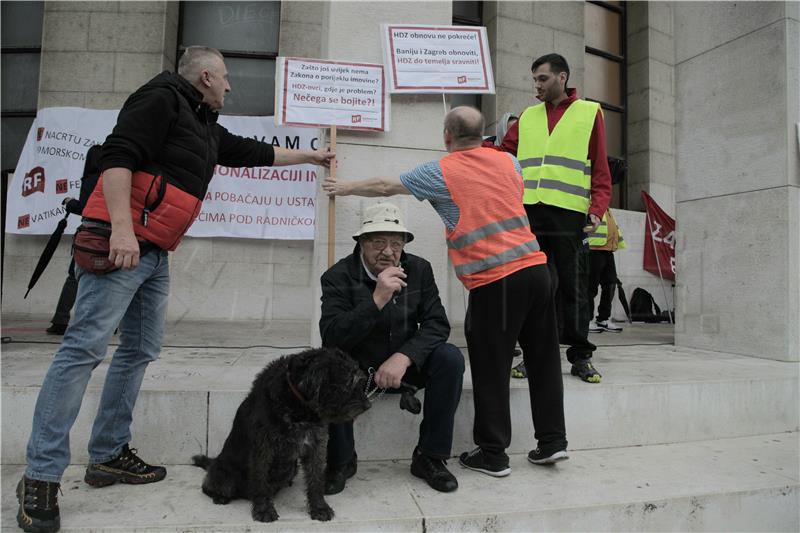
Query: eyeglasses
[[380, 244]]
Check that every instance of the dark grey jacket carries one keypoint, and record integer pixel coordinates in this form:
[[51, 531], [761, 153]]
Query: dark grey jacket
[[414, 322]]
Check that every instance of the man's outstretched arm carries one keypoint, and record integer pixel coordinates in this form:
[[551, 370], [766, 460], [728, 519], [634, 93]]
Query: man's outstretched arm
[[382, 186], [286, 157]]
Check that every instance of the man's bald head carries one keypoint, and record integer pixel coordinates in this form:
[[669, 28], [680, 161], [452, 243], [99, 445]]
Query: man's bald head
[[463, 126]]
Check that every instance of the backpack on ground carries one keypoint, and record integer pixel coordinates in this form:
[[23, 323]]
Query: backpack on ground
[[644, 307]]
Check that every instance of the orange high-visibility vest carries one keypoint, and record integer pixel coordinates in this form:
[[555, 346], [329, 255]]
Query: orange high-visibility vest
[[492, 238]]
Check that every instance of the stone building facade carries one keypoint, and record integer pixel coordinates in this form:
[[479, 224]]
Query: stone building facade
[[711, 106]]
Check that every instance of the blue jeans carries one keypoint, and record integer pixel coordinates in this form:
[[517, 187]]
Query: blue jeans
[[136, 300]]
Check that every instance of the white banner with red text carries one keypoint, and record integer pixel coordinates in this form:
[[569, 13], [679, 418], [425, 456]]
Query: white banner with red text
[[253, 203], [324, 93], [437, 59]]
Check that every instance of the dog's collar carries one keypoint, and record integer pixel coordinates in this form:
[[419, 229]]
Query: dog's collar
[[294, 389]]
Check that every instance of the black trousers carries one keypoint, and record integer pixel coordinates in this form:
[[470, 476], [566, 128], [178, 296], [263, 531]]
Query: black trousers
[[442, 376], [603, 273], [517, 308], [67, 298], [561, 237]]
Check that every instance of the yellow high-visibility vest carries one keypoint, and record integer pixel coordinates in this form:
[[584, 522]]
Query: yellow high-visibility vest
[[600, 237], [556, 167]]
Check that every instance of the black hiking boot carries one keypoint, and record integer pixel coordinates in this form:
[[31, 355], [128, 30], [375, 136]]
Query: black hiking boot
[[38, 506], [127, 467]]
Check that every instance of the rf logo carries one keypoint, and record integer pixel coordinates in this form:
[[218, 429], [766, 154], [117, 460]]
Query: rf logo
[[33, 181], [39, 134], [23, 221], [62, 186], [355, 119], [462, 80]]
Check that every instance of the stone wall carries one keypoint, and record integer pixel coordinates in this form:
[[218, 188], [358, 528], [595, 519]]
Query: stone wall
[[738, 194]]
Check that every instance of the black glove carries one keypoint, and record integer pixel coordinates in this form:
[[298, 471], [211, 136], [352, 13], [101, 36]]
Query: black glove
[[408, 401]]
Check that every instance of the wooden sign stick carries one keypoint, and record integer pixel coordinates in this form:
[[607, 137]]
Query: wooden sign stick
[[332, 206]]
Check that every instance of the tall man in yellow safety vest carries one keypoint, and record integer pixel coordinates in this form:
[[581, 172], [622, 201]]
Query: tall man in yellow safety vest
[[606, 240], [560, 144]]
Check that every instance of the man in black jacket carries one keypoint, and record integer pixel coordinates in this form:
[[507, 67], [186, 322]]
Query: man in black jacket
[[168, 128], [381, 305]]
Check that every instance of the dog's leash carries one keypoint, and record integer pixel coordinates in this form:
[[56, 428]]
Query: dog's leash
[[373, 393]]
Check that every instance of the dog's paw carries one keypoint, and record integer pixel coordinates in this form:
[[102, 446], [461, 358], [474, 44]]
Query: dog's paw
[[264, 513], [322, 513], [221, 500]]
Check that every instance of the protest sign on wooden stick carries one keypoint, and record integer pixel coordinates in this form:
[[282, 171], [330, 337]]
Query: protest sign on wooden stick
[[335, 94]]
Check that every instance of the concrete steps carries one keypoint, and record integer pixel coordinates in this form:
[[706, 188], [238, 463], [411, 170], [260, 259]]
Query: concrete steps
[[649, 395], [747, 484], [673, 439]]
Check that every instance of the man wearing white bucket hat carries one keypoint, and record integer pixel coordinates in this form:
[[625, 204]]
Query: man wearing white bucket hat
[[477, 193], [381, 305]]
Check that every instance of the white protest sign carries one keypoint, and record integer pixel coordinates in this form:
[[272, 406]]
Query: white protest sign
[[258, 203], [437, 59], [321, 93]]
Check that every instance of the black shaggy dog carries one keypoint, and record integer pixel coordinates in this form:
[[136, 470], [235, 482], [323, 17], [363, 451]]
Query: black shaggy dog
[[284, 418]]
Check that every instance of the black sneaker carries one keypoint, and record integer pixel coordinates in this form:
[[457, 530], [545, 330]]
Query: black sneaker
[[38, 506], [519, 371], [56, 329], [433, 471], [337, 476], [127, 467], [538, 457], [586, 371], [480, 461]]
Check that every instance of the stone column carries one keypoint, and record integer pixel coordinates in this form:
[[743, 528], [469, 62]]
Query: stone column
[[651, 104], [738, 194]]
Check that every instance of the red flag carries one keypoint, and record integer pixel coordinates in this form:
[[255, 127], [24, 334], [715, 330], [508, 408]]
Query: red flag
[[659, 240]]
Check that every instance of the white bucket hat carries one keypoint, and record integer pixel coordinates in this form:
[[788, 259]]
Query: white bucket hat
[[380, 218]]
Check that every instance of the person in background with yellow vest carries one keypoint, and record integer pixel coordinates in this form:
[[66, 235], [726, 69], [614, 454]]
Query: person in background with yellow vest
[[477, 192], [560, 145], [606, 240]]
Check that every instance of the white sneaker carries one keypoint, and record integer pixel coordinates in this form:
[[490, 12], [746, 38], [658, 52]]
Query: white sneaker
[[594, 328], [608, 325]]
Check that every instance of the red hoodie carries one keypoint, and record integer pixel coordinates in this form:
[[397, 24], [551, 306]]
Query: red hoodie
[[601, 177]]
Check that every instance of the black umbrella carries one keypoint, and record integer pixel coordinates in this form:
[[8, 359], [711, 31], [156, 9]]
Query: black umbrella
[[623, 300], [47, 253]]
